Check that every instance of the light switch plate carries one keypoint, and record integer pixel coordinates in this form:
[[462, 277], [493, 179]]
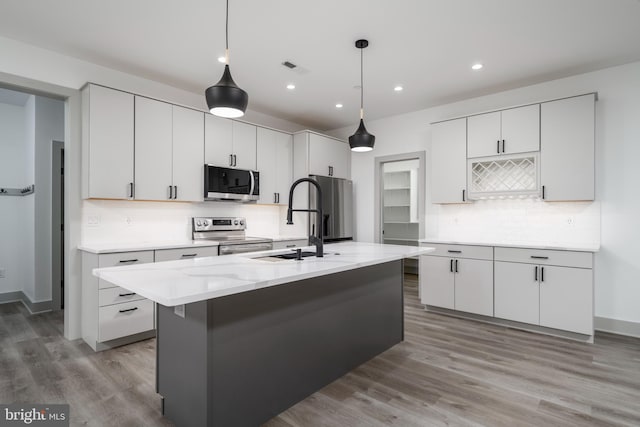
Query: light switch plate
[[3, 273], [179, 310]]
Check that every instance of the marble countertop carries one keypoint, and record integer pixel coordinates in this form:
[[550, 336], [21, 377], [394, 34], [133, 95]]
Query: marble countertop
[[173, 283], [529, 245], [109, 248]]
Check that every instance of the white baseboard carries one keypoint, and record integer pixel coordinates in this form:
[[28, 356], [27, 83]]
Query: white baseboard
[[33, 307], [615, 326]]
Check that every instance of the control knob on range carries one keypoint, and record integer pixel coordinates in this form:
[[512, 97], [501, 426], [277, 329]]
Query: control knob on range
[[241, 222], [198, 223], [235, 222]]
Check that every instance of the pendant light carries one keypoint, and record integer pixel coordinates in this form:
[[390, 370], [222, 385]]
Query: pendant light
[[225, 98], [361, 140]]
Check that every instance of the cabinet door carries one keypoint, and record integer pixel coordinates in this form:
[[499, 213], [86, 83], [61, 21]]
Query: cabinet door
[[517, 293], [567, 148], [448, 161], [185, 253], [153, 152], [188, 154], [566, 299], [437, 282], [218, 140], [110, 135], [484, 134], [328, 157], [474, 286], [267, 162], [521, 129], [284, 173], [244, 145]]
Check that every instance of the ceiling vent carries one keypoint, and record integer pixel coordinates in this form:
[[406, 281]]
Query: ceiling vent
[[290, 65]]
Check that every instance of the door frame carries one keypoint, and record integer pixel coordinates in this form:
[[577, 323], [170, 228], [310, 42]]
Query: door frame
[[378, 186], [57, 224], [72, 190]]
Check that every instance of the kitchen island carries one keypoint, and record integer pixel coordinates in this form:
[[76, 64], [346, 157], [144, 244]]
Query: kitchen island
[[243, 337]]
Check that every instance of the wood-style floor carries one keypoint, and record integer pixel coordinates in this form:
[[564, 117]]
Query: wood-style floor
[[448, 371]]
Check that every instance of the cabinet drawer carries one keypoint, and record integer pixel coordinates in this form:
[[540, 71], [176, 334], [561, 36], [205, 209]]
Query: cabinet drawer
[[545, 257], [123, 258], [117, 295], [461, 251], [185, 253], [290, 244], [120, 320]]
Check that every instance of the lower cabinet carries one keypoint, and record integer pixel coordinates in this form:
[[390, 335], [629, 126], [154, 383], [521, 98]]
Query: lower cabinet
[[185, 253], [457, 283], [284, 244]]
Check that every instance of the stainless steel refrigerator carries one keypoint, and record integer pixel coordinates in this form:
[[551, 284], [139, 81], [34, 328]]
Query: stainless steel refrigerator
[[337, 206]]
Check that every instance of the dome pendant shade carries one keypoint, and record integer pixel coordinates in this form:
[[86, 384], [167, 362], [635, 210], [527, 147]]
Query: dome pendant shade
[[225, 98], [362, 140]]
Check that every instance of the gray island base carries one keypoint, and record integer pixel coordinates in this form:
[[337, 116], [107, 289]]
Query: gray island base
[[240, 360]]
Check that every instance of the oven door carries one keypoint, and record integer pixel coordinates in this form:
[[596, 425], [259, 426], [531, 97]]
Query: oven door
[[225, 249], [231, 184]]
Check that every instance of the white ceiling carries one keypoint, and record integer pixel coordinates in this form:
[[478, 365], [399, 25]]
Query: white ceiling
[[426, 45]]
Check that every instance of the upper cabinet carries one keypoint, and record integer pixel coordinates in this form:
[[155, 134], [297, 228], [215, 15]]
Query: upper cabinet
[[107, 127], [275, 162], [516, 130], [448, 161], [328, 156], [229, 143], [567, 149], [169, 151]]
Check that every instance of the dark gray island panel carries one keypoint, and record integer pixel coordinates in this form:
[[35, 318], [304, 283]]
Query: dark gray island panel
[[242, 359]]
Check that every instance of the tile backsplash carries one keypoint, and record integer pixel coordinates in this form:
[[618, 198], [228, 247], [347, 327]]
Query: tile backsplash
[[109, 221], [519, 220]]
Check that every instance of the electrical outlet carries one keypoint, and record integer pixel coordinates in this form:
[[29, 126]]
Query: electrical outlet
[[129, 221], [178, 310], [3, 273], [571, 220], [93, 221]]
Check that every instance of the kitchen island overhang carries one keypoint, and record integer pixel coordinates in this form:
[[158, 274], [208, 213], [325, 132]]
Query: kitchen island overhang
[[243, 357]]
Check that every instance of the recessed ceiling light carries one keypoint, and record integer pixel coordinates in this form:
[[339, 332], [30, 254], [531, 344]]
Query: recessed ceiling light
[[222, 59], [339, 105], [477, 66], [398, 88], [291, 86]]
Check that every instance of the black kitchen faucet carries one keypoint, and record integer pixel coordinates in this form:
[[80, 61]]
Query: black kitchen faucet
[[319, 214]]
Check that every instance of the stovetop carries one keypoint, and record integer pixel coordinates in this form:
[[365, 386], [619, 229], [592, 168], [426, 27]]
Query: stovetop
[[226, 230]]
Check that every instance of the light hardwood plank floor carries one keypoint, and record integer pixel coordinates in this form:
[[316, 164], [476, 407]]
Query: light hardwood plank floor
[[448, 371]]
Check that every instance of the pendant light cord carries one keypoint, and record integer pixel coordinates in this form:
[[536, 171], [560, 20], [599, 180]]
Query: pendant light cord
[[226, 50], [361, 85]]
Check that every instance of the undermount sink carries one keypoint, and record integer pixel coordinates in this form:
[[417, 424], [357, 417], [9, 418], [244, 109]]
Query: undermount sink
[[291, 256]]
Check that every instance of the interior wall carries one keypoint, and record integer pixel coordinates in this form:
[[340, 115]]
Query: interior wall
[[617, 265], [14, 173]]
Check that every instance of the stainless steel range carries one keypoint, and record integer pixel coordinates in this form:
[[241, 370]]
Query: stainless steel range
[[230, 233]]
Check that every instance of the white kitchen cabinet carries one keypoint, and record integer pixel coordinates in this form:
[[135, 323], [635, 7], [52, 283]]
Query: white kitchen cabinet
[[449, 161], [153, 149], [568, 149], [449, 279], [515, 130], [185, 253], [169, 152], [188, 155], [108, 132], [229, 143], [517, 293], [538, 292], [275, 164], [328, 156]]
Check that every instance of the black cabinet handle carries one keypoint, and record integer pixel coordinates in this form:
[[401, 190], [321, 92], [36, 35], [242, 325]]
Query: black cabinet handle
[[230, 159], [275, 197], [127, 294], [175, 192], [539, 257], [451, 266], [535, 277], [291, 246], [454, 252], [128, 309], [235, 160], [170, 192], [498, 146], [128, 260], [189, 255], [131, 190], [542, 274], [464, 195], [456, 266], [543, 192], [278, 197], [503, 146]]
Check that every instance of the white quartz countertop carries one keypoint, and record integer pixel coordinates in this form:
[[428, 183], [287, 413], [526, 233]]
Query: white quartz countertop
[[109, 248], [530, 245], [173, 283]]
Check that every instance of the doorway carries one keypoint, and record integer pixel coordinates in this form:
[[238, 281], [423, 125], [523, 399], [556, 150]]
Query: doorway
[[57, 225], [400, 195]]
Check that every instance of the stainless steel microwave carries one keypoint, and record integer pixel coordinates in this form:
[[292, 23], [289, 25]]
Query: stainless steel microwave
[[231, 184]]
